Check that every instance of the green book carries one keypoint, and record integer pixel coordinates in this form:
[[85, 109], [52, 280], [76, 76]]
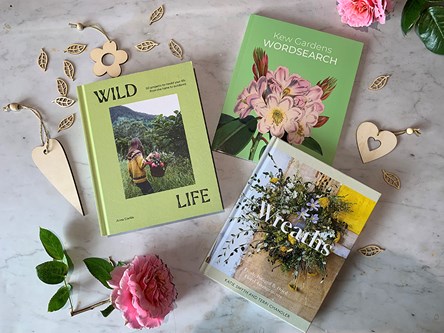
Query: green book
[[289, 233], [291, 82], [148, 149]]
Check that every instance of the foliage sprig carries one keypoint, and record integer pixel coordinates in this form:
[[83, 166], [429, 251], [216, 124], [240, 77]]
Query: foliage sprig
[[427, 18]]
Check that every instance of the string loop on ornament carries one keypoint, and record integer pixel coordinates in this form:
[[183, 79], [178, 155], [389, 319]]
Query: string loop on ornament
[[44, 133], [408, 131], [81, 26]]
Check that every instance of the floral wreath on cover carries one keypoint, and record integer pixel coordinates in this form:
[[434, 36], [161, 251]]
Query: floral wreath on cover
[[305, 205], [286, 105]]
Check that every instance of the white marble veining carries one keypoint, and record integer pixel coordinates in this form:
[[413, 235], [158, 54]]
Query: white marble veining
[[401, 290]]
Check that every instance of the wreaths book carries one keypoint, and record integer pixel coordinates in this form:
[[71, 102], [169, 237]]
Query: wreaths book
[[289, 233], [148, 149], [291, 82]]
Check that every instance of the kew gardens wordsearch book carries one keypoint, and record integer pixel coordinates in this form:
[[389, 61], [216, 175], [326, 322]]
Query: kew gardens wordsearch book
[[291, 82], [148, 149], [289, 233]]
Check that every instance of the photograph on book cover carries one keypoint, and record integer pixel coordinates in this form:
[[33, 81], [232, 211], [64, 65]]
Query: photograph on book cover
[[290, 233], [151, 146]]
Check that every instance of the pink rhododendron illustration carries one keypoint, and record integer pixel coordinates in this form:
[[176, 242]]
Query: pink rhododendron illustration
[[285, 105]]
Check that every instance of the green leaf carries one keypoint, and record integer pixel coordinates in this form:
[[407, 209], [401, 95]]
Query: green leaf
[[312, 144], [67, 260], [411, 13], [234, 135], [430, 29], [107, 311], [59, 299], [52, 272], [52, 244], [100, 269]]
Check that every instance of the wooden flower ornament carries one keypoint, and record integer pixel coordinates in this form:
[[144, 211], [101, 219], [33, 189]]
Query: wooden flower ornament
[[98, 54]]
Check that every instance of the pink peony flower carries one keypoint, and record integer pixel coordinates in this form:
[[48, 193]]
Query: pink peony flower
[[143, 290], [255, 90], [278, 115], [362, 13]]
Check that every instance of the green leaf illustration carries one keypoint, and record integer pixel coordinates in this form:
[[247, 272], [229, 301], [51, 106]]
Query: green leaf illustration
[[234, 135], [224, 118], [52, 244], [410, 14], [262, 151], [100, 269], [312, 144], [59, 299], [107, 311], [430, 29], [52, 272]]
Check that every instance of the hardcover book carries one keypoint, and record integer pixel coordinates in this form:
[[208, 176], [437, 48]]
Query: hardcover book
[[289, 233], [291, 82], [148, 149]]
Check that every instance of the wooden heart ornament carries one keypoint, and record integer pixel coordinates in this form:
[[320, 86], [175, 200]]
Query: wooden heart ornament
[[368, 130], [55, 167]]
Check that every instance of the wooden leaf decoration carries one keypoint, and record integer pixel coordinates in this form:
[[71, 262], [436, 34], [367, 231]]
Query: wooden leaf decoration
[[371, 250], [157, 15], [391, 179], [146, 45], [64, 102], [68, 69], [380, 82], [175, 49], [42, 61], [75, 48], [66, 122], [62, 87]]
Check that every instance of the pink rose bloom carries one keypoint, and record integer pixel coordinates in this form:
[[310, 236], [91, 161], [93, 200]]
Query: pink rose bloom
[[280, 81], [255, 90], [361, 13], [143, 290], [278, 115]]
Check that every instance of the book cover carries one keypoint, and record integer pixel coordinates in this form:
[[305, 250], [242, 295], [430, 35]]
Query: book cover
[[148, 149], [291, 82], [289, 233]]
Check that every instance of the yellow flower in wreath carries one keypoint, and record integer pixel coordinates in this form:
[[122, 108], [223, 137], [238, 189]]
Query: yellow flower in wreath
[[98, 55], [291, 239], [324, 202], [274, 180]]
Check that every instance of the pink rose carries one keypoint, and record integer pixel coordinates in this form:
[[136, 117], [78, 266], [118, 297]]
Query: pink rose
[[362, 13], [143, 290]]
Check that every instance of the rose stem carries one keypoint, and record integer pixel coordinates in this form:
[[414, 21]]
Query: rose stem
[[76, 312]]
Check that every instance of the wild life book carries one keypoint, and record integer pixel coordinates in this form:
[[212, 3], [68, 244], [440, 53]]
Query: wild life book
[[290, 82], [289, 234], [148, 149]]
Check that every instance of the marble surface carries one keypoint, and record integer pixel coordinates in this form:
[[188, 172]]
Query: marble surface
[[401, 290]]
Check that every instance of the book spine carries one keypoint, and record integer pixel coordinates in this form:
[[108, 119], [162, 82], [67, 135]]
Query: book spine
[[92, 159], [233, 212]]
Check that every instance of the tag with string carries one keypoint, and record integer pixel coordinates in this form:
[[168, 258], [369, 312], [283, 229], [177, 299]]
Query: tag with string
[[50, 158]]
